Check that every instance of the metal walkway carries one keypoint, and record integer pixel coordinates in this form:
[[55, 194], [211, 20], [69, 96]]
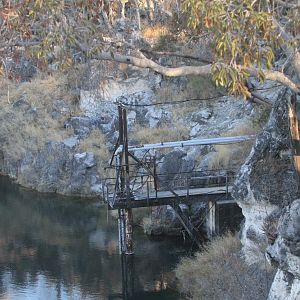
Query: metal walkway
[[145, 193], [138, 183]]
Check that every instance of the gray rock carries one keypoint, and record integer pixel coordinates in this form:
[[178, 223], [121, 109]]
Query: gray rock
[[24, 68], [157, 116], [82, 126], [56, 168], [267, 176], [71, 142], [265, 189], [61, 107], [56, 115], [86, 158], [285, 252], [171, 165], [201, 116], [21, 102], [31, 114]]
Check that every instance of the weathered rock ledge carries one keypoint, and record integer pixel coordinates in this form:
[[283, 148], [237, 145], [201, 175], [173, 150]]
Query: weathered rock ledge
[[266, 189]]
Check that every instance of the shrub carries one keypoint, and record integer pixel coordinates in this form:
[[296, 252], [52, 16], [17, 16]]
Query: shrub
[[219, 272]]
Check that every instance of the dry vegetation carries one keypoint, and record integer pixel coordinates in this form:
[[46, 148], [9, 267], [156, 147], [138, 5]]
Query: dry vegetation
[[163, 133], [234, 154], [219, 272], [197, 88], [96, 143], [29, 126], [155, 32]]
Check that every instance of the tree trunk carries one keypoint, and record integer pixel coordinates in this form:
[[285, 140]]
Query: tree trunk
[[145, 62], [294, 131], [138, 16], [150, 10]]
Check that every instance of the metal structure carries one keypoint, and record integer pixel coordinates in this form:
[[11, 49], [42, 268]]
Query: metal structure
[[138, 184]]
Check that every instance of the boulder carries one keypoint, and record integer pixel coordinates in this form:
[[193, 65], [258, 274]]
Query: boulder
[[57, 168]]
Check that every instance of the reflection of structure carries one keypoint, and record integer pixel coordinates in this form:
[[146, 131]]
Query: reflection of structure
[[127, 263], [145, 187]]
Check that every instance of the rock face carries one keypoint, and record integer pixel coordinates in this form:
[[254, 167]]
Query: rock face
[[266, 189], [58, 168], [286, 253]]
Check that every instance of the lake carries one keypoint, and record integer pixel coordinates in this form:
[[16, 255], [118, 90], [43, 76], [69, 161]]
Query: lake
[[55, 247]]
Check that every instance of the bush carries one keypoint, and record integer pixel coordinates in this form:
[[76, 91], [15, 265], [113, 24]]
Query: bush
[[219, 272]]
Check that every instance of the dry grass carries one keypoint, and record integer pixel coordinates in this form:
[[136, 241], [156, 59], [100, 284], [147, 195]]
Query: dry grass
[[97, 143], [163, 133], [201, 86], [198, 87], [40, 92], [155, 32], [23, 131], [166, 94], [234, 154], [219, 272]]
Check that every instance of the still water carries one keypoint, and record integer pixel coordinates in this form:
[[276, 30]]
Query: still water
[[53, 247]]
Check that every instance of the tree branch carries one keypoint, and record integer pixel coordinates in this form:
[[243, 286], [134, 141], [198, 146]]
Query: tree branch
[[166, 53], [148, 63], [190, 70], [277, 76]]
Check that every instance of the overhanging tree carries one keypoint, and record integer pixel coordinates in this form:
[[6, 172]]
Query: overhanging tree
[[248, 37]]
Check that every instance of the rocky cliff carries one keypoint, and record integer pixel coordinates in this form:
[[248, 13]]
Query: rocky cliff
[[62, 147], [58, 132], [267, 190]]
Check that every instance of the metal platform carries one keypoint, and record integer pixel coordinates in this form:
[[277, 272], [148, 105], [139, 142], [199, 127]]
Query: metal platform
[[138, 183], [219, 194]]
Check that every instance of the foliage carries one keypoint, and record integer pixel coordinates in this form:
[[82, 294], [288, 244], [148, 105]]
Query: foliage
[[202, 276], [50, 30], [246, 34]]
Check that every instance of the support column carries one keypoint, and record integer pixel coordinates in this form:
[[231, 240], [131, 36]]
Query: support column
[[121, 228], [125, 227], [188, 226], [125, 215], [127, 262], [128, 231], [212, 220]]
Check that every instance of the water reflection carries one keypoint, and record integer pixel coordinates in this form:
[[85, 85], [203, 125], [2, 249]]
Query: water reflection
[[56, 248]]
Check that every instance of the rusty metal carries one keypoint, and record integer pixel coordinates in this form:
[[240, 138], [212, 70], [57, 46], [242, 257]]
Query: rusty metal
[[149, 188]]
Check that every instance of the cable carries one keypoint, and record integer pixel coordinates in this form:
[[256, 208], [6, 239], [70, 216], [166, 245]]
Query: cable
[[267, 88], [166, 103], [184, 101]]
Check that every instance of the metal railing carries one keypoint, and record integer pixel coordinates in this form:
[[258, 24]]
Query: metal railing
[[146, 186]]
